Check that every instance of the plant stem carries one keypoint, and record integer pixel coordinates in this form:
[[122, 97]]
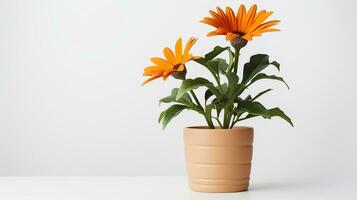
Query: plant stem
[[208, 120], [247, 117], [236, 60], [196, 99], [220, 124], [225, 120], [241, 119], [233, 121], [209, 123], [227, 116], [218, 80]]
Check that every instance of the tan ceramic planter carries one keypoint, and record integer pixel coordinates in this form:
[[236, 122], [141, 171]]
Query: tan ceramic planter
[[218, 160]]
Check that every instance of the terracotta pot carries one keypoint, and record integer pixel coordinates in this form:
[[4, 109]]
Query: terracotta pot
[[218, 160]]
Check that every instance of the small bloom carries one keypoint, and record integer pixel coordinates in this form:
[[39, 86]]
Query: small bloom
[[172, 64]]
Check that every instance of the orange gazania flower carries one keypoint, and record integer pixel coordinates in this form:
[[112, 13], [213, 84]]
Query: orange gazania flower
[[173, 62], [244, 25]]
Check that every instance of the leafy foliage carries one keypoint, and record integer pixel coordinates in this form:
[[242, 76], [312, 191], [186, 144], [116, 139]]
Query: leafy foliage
[[191, 84], [276, 112], [167, 115], [222, 98], [264, 76], [256, 64], [251, 107], [260, 94], [185, 99]]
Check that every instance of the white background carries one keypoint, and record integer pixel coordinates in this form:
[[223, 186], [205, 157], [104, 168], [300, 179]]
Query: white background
[[71, 101]]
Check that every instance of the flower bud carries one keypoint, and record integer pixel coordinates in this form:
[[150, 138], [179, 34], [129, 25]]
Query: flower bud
[[179, 74], [239, 43]]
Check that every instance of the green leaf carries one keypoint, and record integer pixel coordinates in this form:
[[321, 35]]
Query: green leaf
[[208, 94], [234, 88], [201, 61], [232, 78], [248, 98], [231, 58], [167, 115], [234, 93], [208, 113], [213, 65], [276, 112], [215, 52], [252, 107], [185, 99], [224, 87], [218, 109], [256, 64], [276, 64], [191, 84], [222, 65], [218, 65], [161, 116], [233, 85], [264, 76], [211, 55], [260, 94]]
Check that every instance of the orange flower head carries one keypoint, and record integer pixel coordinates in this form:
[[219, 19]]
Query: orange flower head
[[173, 63], [243, 25]]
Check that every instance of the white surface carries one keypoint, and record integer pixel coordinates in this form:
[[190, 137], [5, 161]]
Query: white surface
[[164, 188], [71, 101]]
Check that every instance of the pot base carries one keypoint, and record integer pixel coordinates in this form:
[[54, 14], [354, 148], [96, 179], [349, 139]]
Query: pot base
[[218, 188]]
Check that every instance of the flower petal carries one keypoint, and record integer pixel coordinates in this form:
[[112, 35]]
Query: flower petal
[[167, 72], [167, 76], [153, 70], [178, 50], [247, 37], [231, 18], [231, 36], [224, 18], [259, 32], [218, 18], [250, 17], [210, 21], [258, 21], [188, 47], [170, 56], [266, 25], [240, 17], [150, 79], [218, 31], [161, 62]]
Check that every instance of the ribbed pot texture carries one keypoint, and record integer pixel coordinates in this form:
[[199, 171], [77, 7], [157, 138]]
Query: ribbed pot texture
[[218, 160]]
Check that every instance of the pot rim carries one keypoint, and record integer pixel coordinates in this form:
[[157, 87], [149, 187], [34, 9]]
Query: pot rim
[[217, 128]]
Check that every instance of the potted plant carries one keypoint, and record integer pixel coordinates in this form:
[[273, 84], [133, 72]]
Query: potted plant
[[219, 154]]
